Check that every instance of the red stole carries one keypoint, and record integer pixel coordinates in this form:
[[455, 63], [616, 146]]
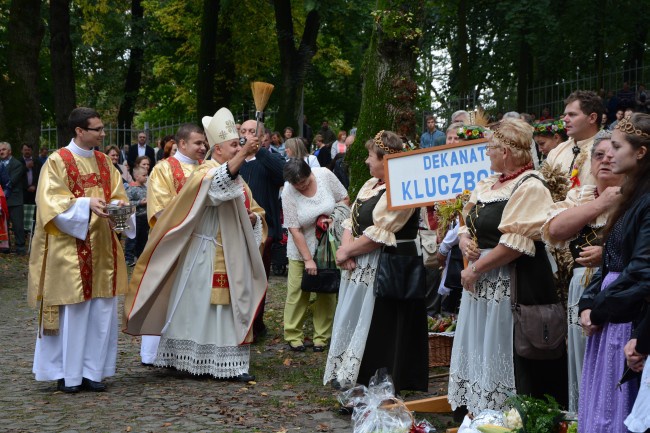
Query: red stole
[[177, 173], [77, 183]]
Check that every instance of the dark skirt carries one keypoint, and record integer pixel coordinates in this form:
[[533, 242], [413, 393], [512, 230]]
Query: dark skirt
[[540, 377], [398, 341]]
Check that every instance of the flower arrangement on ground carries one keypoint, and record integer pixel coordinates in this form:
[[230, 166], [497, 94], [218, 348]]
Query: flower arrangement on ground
[[532, 415]]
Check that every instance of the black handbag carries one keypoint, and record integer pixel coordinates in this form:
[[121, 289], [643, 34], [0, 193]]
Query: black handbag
[[328, 276], [400, 276]]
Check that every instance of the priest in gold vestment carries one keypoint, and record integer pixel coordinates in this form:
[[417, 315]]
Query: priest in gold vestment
[[165, 182], [76, 265], [200, 280]]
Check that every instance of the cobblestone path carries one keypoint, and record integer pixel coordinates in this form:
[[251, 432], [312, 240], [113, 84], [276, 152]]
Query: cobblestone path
[[287, 397]]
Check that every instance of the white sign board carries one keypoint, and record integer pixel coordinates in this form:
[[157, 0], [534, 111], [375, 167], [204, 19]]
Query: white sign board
[[425, 176]]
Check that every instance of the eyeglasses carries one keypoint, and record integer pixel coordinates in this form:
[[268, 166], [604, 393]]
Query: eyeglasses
[[491, 146], [98, 129]]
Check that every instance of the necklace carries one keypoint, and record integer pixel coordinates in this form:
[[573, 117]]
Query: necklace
[[504, 178]]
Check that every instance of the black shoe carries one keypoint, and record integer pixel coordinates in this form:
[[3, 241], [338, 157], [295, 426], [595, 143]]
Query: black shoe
[[300, 348], [258, 335], [244, 377], [319, 348], [60, 386], [91, 385]]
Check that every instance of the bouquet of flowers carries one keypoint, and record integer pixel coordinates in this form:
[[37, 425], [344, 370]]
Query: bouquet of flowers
[[532, 415], [471, 132]]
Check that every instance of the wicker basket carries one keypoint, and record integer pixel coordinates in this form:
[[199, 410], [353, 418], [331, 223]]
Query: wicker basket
[[440, 348]]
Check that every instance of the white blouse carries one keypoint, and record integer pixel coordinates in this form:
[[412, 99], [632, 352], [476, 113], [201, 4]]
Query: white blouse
[[302, 212]]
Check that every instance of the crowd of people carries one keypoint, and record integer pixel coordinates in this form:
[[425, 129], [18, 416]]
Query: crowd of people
[[566, 194]]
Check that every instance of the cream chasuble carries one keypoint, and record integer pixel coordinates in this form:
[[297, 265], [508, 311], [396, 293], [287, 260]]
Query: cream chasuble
[[64, 270], [151, 283]]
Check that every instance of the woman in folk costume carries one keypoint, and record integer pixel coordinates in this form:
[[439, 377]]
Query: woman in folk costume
[[614, 304], [504, 216], [76, 265], [577, 223], [372, 332], [204, 303]]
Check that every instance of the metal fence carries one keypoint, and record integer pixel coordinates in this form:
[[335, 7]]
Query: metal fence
[[552, 95], [120, 135]]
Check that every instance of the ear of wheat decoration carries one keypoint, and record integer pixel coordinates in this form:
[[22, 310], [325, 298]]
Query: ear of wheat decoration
[[479, 117], [261, 94]]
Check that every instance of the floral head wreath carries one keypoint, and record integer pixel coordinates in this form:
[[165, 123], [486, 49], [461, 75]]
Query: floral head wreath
[[502, 138], [470, 132], [380, 144], [625, 125], [549, 128]]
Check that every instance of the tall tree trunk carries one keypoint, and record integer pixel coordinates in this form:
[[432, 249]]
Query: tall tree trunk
[[389, 88], [65, 98], [293, 62], [134, 74], [523, 73], [205, 80], [21, 122], [225, 79], [599, 43], [636, 47], [461, 48]]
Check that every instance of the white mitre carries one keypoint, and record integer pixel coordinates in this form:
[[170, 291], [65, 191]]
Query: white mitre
[[220, 127]]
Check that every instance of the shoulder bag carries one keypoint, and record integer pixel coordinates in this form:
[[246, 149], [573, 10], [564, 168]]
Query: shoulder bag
[[429, 242], [539, 330], [328, 276]]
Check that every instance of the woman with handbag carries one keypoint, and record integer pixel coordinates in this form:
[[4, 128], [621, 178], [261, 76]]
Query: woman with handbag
[[375, 331], [577, 223], [614, 307], [308, 194], [507, 260]]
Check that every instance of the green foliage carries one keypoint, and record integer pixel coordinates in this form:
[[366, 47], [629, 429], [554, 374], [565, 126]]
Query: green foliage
[[555, 39], [538, 416]]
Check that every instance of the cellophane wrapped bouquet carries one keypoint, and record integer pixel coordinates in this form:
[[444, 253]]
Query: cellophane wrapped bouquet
[[377, 410]]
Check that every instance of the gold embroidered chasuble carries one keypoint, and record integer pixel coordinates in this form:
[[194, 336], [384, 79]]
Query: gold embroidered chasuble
[[162, 187], [62, 269]]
